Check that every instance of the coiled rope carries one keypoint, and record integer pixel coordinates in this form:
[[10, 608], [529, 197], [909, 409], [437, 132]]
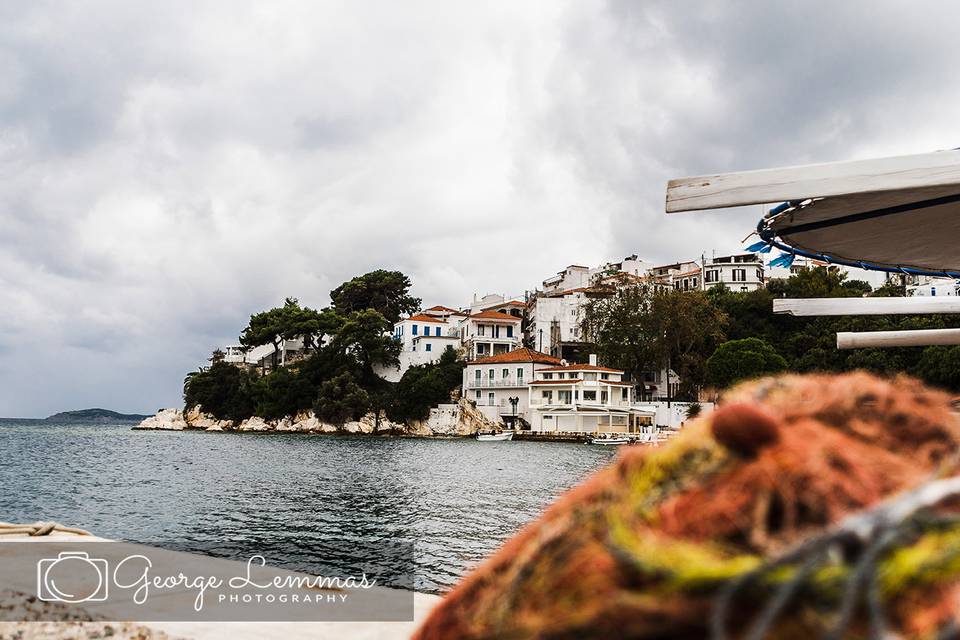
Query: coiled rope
[[38, 529]]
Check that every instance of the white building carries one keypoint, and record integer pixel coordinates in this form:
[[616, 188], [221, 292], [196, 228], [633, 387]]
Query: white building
[[489, 333], [495, 302], [740, 272], [585, 398], [683, 276], [262, 356], [555, 312], [498, 384], [555, 320], [930, 286], [578, 276], [423, 338]]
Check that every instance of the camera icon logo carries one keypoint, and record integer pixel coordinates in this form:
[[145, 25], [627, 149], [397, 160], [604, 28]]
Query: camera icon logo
[[72, 577]]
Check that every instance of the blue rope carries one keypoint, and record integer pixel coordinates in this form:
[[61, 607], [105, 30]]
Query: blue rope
[[769, 238]]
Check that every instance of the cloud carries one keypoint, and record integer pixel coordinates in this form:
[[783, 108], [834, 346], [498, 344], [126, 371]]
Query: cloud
[[170, 168]]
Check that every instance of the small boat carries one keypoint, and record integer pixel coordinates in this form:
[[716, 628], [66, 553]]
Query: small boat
[[609, 441], [495, 437]]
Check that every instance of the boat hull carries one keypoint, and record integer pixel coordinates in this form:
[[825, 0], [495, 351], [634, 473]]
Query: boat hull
[[609, 442], [495, 437]]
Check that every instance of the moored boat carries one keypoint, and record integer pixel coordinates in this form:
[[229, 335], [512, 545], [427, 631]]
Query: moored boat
[[495, 437], [614, 440]]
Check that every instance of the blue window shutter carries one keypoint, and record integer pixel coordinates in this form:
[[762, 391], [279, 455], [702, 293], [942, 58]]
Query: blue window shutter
[[438, 331], [414, 329], [510, 332], [429, 347]]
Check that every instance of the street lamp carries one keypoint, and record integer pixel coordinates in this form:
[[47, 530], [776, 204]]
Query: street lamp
[[514, 401]]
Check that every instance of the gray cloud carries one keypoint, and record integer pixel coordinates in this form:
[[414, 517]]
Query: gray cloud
[[169, 168]]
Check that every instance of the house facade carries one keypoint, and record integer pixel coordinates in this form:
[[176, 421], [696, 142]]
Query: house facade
[[498, 384], [740, 272], [489, 333], [585, 398], [423, 337], [678, 275]]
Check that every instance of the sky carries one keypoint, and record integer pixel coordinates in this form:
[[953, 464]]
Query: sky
[[167, 169]]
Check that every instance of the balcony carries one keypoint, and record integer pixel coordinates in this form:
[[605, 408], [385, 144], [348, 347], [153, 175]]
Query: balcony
[[508, 383]]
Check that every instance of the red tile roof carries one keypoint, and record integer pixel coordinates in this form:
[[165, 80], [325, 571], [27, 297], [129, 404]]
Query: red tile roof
[[495, 315], [518, 355], [445, 309], [582, 367]]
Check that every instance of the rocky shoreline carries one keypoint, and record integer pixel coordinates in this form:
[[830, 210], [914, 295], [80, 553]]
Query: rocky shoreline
[[445, 421]]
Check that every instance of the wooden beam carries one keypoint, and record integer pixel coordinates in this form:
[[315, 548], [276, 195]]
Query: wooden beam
[[813, 181], [887, 339], [866, 306]]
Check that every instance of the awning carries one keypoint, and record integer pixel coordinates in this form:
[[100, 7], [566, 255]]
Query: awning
[[891, 214]]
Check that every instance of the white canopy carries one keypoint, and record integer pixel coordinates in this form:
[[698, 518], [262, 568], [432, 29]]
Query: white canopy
[[889, 213]]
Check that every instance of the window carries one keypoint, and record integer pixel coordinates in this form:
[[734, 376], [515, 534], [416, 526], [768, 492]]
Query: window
[[490, 373], [481, 349], [589, 396], [548, 396], [510, 331], [478, 395], [520, 374], [603, 397], [695, 283], [429, 347], [711, 276], [480, 329], [414, 329], [505, 374], [561, 376], [437, 332], [625, 393], [739, 275], [604, 376], [589, 376], [548, 376], [490, 400], [478, 375], [563, 397]]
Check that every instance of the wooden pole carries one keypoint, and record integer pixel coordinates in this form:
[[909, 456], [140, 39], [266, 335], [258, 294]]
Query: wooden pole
[[887, 339], [866, 306]]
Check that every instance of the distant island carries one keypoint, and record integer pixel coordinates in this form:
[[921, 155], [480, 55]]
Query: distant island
[[95, 415]]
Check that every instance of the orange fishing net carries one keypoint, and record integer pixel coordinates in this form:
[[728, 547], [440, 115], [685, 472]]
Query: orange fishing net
[[724, 529]]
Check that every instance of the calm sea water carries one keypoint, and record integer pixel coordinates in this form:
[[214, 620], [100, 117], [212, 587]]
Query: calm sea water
[[311, 503]]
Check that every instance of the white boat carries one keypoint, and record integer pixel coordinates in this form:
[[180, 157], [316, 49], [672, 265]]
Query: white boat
[[609, 441], [495, 437]]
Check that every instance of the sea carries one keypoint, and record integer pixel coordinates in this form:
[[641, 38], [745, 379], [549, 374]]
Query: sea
[[417, 513]]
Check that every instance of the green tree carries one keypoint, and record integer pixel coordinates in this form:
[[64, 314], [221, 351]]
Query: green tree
[[282, 392], [386, 292], [641, 329], [738, 360], [268, 327], [364, 337], [940, 366], [341, 399], [818, 282], [308, 324], [425, 386], [222, 390]]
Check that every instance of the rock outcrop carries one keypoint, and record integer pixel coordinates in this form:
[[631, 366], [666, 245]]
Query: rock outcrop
[[446, 420], [165, 420]]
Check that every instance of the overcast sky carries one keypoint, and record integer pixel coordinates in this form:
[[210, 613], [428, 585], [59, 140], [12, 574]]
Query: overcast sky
[[167, 168]]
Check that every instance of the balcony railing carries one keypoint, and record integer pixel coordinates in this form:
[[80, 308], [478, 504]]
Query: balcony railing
[[486, 383]]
